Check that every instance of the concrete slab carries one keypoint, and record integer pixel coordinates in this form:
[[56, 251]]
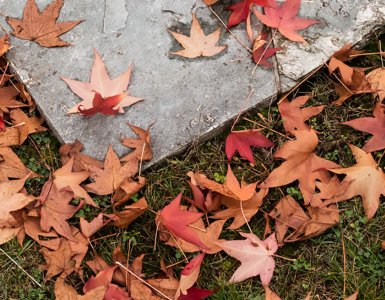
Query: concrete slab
[[188, 99]]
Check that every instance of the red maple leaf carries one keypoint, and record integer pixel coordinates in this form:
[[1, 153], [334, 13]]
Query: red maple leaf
[[241, 10], [105, 106], [262, 52], [177, 220], [285, 19], [374, 126], [2, 124], [241, 141]]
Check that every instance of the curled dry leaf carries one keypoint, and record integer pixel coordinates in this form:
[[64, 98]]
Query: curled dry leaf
[[207, 203], [294, 115], [11, 166], [89, 228], [7, 98], [142, 145], [129, 213], [262, 51], [241, 141], [285, 19], [373, 125], [255, 256], [198, 44], [7, 234], [41, 27], [189, 275], [101, 83], [367, 180]]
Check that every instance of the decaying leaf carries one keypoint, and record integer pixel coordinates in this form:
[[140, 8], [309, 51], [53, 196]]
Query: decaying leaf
[[373, 125], [285, 19], [294, 115], [41, 27], [367, 180], [241, 141], [255, 256], [30, 125], [101, 83], [198, 44]]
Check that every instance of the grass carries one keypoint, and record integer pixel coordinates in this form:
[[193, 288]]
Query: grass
[[321, 265]]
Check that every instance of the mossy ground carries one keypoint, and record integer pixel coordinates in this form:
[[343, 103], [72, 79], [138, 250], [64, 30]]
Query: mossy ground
[[343, 260]]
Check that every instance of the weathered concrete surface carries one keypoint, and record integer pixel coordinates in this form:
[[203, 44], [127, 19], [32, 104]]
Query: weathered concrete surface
[[187, 99]]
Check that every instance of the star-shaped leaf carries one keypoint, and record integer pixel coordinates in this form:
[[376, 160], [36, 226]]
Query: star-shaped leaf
[[241, 141], [142, 144], [285, 19], [31, 125], [101, 83], [255, 256], [367, 180], [41, 27], [198, 44], [177, 221], [373, 125], [262, 51]]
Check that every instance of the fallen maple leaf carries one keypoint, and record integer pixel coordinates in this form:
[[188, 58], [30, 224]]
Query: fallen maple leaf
[[210, 2], [376, 79], [64, 291], [141, 145], [2, 124], [301, 164], [189, 275], [367, 180], [241, 141], [48, 239], [89, 228], [129, 214], [262, 51], [108, 179], [7, 98], [241, 10], [65, 178], [7, 234], [208, 235], [373, 125], [207, 203], [285, 19], [241, 215], [4, 44], [329, 188], [56, 209], [102, 84], [177, 220], [294, 116], [102, 105], [255, 256], [11, 200], [11, 166], [41, 27], [196, 294], [26, 126], [198, 44]]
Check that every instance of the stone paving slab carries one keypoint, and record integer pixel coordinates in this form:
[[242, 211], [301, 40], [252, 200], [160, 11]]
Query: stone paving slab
[[188, 99]]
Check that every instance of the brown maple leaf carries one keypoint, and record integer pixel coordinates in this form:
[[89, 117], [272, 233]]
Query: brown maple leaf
[[7, 234], [30, 125], [64, 291], [9, 137], [376, 79], [328, 188], [109, 179], [48, 239], [241, 215], [56, 209], [367, 180], [41, 27], [198, 44], [12, 200], [65, 178], [129, 213], [11, 166], [141, 145], [4, 44], [294, 116], [301, 164], [80, 160], [7, 98]]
